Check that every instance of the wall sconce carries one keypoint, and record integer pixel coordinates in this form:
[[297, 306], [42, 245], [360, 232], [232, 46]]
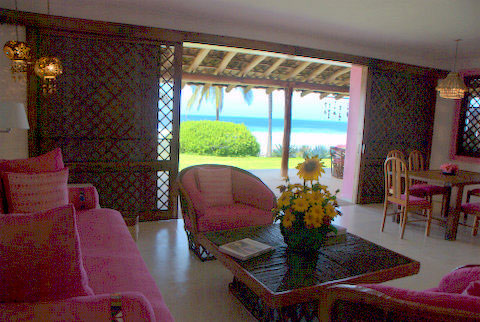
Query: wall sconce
[[12, 116]]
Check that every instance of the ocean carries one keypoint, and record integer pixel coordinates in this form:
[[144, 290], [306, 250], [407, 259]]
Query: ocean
[[304, 132]]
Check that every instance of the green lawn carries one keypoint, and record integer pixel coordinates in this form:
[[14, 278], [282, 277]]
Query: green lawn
[[248, 163]]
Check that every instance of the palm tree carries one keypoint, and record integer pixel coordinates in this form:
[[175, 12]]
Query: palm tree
[[208, 92]]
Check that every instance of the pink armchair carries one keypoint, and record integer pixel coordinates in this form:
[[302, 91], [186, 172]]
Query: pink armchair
[[217, 197]]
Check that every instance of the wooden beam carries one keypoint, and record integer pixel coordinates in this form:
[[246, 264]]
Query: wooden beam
[[317, 72], [258, 82], [198, 60], [323, 95], [257, 60], [337, 74], [287, 128], [274, 66], [297, 70], [226, 60], [229, 88]]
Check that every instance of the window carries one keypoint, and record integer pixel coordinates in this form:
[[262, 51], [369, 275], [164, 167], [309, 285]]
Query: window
[[468, 136]]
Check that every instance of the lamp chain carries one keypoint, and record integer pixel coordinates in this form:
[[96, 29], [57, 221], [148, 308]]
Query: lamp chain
[[16, 22], [456, 51]]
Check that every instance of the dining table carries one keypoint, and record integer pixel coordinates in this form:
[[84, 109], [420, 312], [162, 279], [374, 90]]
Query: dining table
[[460, 179]]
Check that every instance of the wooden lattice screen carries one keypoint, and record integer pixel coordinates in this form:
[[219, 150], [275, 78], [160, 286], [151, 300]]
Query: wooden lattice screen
[[468, 142], [399, 114], [115, 116]]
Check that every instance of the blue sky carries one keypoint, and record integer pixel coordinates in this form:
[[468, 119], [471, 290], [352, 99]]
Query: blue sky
[[309, 107]]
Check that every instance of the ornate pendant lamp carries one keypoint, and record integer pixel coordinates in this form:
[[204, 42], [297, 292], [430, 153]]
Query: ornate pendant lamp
[[48, 68], [452, 86], [17, 51]]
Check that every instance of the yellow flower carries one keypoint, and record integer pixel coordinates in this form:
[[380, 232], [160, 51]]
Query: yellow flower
[[309, 219], [284, 199], [288, 219], [318, 211], [318, 222], [310, 169], [300, 204], [330, 211], [316, 197]]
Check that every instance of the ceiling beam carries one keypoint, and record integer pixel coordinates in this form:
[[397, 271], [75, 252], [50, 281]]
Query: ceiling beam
[[317, 72], [338, 73], [297, 70], [198, 60], [274, 66], [226, 60], [232, 81], [257, 60]]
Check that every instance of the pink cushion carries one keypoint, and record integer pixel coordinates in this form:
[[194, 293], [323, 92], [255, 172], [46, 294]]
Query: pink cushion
[[40, 257], [438, 299], [473, 289], [416, 201], [31, 192], [471, 208], [83, 196], [252, 191], [233, 216], [422, 190], [215, 184], [458, 280], [50, 161]]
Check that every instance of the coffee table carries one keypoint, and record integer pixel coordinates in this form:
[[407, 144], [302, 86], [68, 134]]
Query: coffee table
[[281, 285]]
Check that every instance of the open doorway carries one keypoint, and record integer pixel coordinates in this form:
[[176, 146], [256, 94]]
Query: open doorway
[[222, 84]]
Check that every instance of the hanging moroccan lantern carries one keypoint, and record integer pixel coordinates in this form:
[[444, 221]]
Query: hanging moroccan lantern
[[19, 53], [48, 68]]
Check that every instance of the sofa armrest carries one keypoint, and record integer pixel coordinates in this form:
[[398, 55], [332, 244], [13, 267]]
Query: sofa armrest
[[359, 302], [134, 307], [83, 196]]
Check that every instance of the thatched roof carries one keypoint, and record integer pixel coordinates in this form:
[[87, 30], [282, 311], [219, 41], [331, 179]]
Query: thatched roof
[[234, 67]]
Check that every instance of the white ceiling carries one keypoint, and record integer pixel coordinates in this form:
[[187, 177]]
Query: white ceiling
[[420, 32]]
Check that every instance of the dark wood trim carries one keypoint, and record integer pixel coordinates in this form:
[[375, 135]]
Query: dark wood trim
[[231, 80], [30, 19], [287, 128]]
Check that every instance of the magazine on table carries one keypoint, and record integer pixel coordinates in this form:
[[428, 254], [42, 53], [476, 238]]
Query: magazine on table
[[246, 248]]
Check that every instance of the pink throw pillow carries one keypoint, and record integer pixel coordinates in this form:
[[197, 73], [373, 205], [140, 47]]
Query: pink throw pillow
[[50, 161], [458, 280], [40, 257], [215, 185], [473, 289], [32, 192]]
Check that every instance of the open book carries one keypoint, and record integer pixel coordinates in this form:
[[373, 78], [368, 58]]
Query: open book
[[244, 249]]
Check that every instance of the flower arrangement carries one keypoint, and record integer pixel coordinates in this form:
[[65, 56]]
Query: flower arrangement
[[449, 168], [306, 211]]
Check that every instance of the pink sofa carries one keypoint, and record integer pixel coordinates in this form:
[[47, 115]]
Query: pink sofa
[[456, 298], [119, 283]]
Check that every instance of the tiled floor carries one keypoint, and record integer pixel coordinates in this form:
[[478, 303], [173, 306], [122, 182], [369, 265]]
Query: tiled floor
[[198, 291]]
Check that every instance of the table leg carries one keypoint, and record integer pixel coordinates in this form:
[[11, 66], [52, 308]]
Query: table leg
[[454, 216]]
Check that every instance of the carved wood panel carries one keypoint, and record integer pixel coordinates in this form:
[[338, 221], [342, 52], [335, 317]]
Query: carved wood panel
[[115, 116], [399, 115]]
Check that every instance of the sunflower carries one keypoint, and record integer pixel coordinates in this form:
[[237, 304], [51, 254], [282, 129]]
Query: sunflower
[[330, 211], [309, 219], [300, 204], [317, 197], [310, 169], [284, 199]]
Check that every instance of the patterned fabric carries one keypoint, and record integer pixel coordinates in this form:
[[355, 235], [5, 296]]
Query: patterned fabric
[[40, 257], [50, 161], [215, 185], [32, 192], [83, 196]]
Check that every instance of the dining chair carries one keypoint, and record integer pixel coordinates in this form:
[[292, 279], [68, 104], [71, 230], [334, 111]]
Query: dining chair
[[421, 189], [472, 208], [396, 154], [397, 192]]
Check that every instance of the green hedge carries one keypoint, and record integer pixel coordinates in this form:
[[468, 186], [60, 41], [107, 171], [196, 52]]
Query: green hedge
[[217, 138]]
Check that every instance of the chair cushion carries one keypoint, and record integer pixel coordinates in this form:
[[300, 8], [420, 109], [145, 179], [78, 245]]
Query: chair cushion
[[215, 185], [473, 289], [32, 192], [40, 257], [458, 280], [423, 189], [416, 201], [471, 208], [233, 216]]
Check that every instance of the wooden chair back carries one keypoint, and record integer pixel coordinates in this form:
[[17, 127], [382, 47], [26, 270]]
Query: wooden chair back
[[396, 154], [396, 179], [337, 158], [416, 161]]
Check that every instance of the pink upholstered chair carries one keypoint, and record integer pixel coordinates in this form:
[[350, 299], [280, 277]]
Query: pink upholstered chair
[[422, 189], [218, 197], [472, 208]]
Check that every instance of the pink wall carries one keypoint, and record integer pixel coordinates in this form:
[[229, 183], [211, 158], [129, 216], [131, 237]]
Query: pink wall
[[354, 132]]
